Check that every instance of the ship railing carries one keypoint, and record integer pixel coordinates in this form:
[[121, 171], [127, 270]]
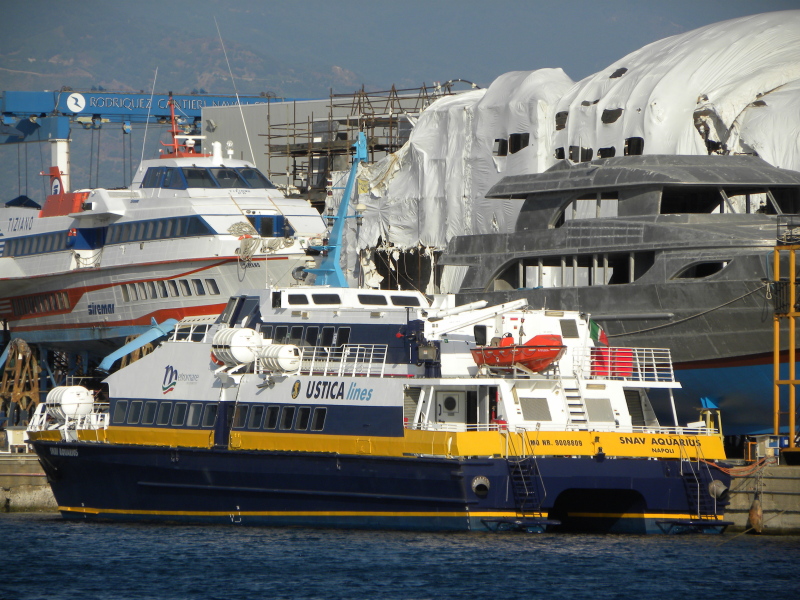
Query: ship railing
[[349, 360], [652, 366], [540, 427]]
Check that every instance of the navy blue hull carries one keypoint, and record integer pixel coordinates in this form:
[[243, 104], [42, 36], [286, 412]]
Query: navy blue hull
[[352, 491]]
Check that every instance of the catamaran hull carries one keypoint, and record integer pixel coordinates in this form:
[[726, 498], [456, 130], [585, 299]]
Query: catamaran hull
[[147, 483]]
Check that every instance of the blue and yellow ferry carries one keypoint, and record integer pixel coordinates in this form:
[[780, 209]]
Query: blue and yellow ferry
[[352, 408]]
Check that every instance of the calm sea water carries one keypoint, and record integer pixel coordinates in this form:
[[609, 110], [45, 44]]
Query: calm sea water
[[45, 557]]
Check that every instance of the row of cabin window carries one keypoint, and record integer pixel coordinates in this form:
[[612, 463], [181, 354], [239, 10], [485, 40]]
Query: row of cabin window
[[181, 178], [158, 229], [295, 418], [203, 414], [365, 299], [40, 303], [36, 244], [299, 335], [170, 288]]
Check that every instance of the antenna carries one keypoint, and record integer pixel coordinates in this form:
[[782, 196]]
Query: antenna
[[149, 106], [236, 92]]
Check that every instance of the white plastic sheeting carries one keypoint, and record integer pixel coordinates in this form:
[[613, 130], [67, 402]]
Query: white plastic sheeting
[[736, 83]]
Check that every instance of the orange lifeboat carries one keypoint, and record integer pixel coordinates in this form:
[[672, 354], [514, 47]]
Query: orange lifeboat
[[536, 354]]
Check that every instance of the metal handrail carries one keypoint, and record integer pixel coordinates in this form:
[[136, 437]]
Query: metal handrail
[[647, 365]]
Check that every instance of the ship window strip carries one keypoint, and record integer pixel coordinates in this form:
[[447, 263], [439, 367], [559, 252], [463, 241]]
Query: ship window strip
[[318, 420]]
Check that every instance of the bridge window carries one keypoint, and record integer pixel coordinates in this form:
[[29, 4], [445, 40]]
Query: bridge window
[[152, 178], [198, 178], [228, 178], [255, 179], [296, 299]]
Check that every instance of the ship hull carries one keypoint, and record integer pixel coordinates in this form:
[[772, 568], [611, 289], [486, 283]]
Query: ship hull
[[147, 483]]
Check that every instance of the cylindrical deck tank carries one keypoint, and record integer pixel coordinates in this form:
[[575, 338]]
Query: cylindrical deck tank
[[74, 400], [236, 346], [280, 357]]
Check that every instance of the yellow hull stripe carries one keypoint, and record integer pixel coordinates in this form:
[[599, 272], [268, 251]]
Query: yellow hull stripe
[[344, 513], [431, 443]]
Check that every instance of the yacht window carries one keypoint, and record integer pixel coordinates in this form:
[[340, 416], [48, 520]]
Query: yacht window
[[135, 413], [634, 146], [142, 290], [119, 411], [198, 178], [240, 416], [326, 298], [343, 336], [272, 417], [210, 415], [163, 413], [405, 300], [125, 296], [195, 411], [158, 227], [702, 269], [318, 422], [255, 179], [561, 123], [372, 300], [517, 142], [151, 289], [168, 225], [296, 299], [287, 416], [198, 287], [266, 332], [606, 152], [265, 225], [303, 416], [610, 115], [179, 415], [500, 147], [185, 289], [228, 178], [148, 231], [172, 286], [212, 286], [162, 288], [480, 335], [256, 415]]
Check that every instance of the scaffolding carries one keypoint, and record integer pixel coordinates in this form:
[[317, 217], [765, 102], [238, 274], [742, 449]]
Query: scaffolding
[[787, 303], [306, 149]]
